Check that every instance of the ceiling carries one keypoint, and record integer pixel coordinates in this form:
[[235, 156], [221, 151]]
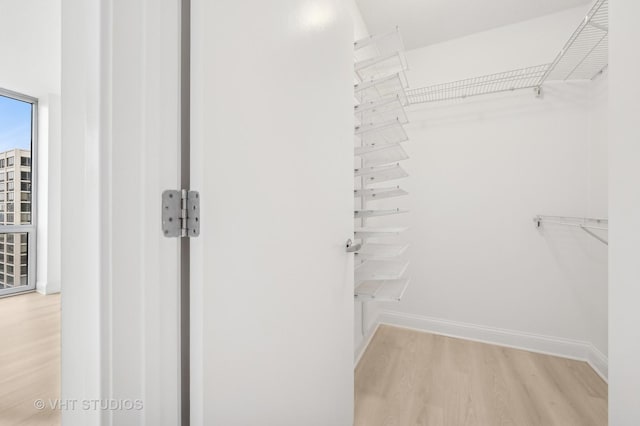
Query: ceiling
[[424, 22]]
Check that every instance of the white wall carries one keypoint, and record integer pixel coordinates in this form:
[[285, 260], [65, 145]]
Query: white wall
[[481, 169], [30, 46], [624, 175], [30, 42]]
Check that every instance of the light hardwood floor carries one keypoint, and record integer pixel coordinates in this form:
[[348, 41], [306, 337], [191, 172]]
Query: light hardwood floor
[[408, 378], [29, 359]]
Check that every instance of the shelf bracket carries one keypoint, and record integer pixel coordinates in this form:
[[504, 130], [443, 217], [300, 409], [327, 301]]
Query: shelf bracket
[[180, 213], [538, 91]]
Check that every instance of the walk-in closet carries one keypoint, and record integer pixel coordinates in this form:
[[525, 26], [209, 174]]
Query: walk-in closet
[[319, 212]]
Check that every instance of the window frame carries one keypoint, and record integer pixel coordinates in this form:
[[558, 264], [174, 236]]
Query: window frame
[[28, 229]]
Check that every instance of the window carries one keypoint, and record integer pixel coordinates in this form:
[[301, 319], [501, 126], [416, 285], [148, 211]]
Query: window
[[17, 243]]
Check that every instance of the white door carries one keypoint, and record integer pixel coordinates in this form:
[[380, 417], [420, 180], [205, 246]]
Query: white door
[[272, 157]]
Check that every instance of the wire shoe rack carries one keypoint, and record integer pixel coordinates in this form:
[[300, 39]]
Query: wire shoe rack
[[380, 94]]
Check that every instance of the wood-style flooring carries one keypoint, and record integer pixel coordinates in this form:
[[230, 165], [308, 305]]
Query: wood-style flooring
[[29, 359], [408, 378]]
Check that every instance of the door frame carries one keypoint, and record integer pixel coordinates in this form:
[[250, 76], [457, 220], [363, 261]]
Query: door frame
[[120, 149]]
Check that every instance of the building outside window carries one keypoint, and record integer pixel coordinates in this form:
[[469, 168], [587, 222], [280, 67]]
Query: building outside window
[[18, 119]]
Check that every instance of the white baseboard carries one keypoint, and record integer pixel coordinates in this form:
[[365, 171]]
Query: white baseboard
[[565, 348], [44, 287], [599, 362]]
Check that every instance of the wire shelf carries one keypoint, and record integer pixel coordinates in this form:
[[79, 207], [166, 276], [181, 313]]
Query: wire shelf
[[371, 134], [382, 291], [381, 251], [378, 232], [379, 44], [381, 154], [588, 224], [377, 213], [381, 88], [380, 111], [373, 194], [382, 66], [524, 78], [382, 173], [586, 54], [380, 270], [379, 114]]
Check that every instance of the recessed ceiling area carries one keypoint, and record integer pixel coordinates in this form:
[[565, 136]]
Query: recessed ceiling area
[[424, 22]]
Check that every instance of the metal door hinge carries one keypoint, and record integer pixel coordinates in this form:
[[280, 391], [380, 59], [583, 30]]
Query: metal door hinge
[[180, 213]]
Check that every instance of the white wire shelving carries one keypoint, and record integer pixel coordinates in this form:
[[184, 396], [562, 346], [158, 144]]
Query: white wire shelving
[[380, 67], [381, 251], [381, 88], [382, 291], [380, 270], [359, 214], [378, 232], [381, 174], [378, 45], [380, 98], [382, 154], [586, 54], [589, 225], [389, 132], [380, 56], [373, 194], [382, 110], [525, 78]]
